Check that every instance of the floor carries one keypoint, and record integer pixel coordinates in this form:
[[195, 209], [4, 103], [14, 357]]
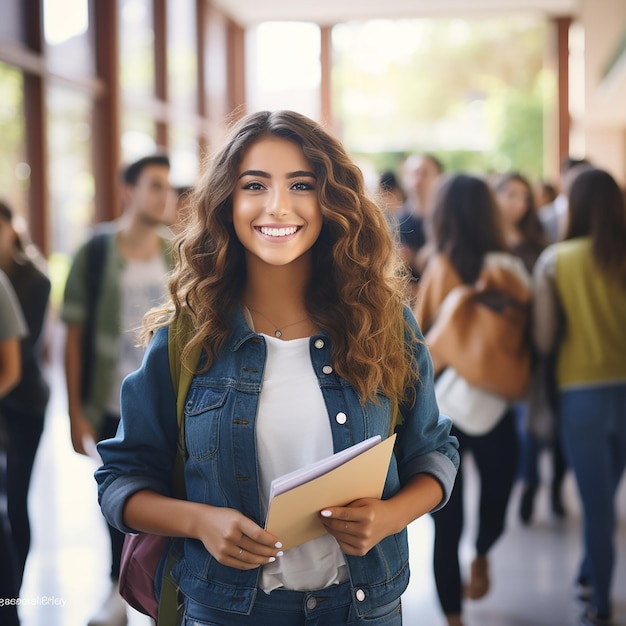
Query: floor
[[66, 575]]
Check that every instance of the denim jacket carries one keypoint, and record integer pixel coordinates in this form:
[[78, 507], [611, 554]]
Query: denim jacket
[[221, 468]]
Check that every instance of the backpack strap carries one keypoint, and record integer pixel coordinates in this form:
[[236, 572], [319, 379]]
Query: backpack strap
[[96, 250], [182, 374], [180, 332]]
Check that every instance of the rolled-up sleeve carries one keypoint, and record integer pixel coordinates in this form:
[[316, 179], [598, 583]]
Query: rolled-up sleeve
[[142, 454]]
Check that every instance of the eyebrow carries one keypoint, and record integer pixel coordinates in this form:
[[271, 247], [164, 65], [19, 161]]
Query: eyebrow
[[262, 174]]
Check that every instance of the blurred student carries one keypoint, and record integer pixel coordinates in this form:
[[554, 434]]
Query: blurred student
[[420, 176], [116, 277], [544, 192], [390, 194], [537, 414], [12, 330], [553, 215], [470, 248], [390, 197], [24, 407], [579, 309]]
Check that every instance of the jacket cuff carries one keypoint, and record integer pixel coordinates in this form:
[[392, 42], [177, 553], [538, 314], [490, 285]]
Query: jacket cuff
[[439, 466], [117, 493]]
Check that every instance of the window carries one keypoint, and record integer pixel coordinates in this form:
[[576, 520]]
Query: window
[[137, 48], [69, 48], [182, 55], [71, 177], [138, 136], [283, 63], [14, 171]]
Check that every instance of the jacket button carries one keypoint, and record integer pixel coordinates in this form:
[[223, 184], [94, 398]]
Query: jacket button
[[360, 595], [341, 418], [319, 344], [327, 369]]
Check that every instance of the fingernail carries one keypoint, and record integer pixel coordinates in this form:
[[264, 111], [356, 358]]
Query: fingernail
[[280, 553], [278, 544], [272, 559], [325, 513]]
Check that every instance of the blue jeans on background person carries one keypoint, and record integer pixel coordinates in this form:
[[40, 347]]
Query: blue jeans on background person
[[332, 606], [593, 427], [531, 448]]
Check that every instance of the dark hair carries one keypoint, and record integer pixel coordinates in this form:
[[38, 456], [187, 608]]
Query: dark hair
[[388, 181], [24, 251], [6, 214], [132, 172], [464, 224], [547, 188], [569, 163], [597, 210], [529, 225]]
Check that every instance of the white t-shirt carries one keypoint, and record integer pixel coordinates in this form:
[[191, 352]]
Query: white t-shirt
[[142, 286], [293, 430]]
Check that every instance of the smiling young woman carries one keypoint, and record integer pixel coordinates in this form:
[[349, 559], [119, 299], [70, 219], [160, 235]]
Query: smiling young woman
[[277, 218], [289, 277]]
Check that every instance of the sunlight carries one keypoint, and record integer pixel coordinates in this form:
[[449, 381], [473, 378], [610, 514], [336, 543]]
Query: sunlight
[[64, 19]]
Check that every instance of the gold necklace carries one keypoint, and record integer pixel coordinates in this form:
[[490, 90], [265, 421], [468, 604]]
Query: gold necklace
[[279, 331]]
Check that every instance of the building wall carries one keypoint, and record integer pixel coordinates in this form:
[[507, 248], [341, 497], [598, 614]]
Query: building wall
[[604, 23]]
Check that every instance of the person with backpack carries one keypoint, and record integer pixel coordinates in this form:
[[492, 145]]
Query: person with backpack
[[293, 287], [115, 278], [474, 306]]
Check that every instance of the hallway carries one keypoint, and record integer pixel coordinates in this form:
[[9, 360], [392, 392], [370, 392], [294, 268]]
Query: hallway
[[67, 572]]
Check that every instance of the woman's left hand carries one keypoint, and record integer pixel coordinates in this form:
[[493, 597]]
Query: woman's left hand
[[359, 526]]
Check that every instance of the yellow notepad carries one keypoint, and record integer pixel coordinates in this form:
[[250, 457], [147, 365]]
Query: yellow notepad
[[293, 516]]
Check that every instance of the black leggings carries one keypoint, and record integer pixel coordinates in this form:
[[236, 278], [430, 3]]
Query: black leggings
[[496, 456], [107, 431], [24, 433]]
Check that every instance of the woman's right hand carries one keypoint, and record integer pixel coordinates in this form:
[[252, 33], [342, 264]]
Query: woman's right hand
[[230, 537], [235, 540]]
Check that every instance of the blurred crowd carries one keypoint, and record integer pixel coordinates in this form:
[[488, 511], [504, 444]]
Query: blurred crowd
[[547, 258], [551, 259]]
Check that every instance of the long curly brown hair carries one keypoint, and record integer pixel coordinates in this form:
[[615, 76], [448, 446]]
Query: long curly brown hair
[[357, 287]]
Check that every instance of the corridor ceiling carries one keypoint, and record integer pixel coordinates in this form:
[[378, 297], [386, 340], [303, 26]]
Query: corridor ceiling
[[329, 12]]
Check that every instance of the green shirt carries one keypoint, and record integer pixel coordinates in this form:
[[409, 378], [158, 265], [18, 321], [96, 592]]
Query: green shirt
[[583, 311], [107, 320]]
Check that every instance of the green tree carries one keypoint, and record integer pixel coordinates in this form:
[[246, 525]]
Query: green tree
[[472, 91]]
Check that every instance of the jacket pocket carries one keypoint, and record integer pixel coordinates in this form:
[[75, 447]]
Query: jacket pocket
[[203, 414]]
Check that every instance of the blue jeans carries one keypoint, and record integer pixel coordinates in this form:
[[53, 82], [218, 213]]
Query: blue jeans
[[332, 606], [593, 426]]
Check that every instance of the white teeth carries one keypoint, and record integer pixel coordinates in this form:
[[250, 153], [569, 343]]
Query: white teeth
[[278, 232]]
